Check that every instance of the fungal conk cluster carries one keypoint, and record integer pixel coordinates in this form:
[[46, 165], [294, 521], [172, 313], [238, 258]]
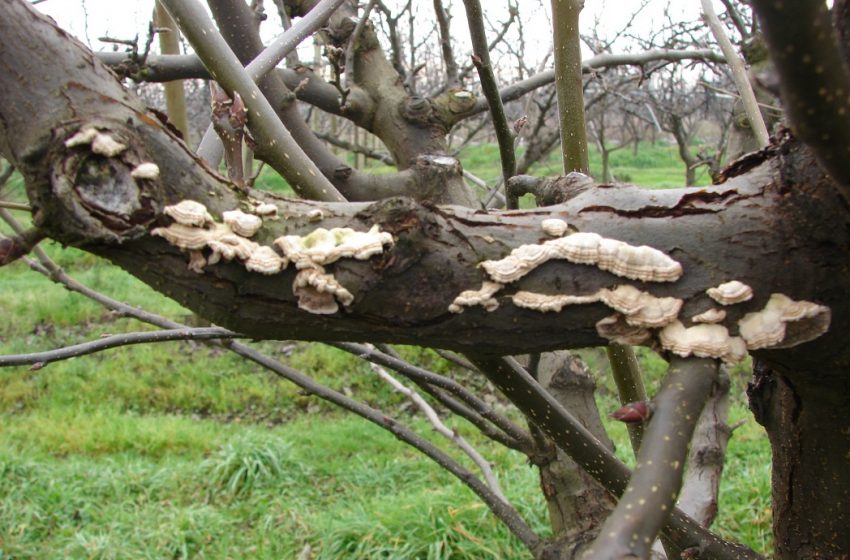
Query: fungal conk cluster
[[195, 230], [640, 317]]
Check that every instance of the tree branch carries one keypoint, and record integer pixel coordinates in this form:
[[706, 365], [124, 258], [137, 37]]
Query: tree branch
[[577, 442], [285, 155], [452, 435], [449, 61], [115, 341], [739, 74], [481, 60], [651, 494], [519, 438], [814, 79]]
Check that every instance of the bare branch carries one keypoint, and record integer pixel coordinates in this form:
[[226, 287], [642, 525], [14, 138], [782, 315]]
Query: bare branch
[[481, 59], [651, 494], [449, 61], [701, 484], [575, 440], [739, 74], [115, 341], [519, 438], [286, 156], [444, 430]]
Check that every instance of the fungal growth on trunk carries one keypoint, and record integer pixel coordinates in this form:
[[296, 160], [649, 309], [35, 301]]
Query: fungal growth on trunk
[[195, 230], [642, 318]]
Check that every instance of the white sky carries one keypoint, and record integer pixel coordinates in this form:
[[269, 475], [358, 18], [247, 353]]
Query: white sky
[[90, 19]]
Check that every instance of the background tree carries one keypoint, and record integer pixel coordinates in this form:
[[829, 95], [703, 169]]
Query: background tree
[[106, 175]]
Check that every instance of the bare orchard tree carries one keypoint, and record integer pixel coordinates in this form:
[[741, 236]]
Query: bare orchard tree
[[756, 264]]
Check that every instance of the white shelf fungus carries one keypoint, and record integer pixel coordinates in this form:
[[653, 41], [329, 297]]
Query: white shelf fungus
[[639, 308], [616, 329], [264, 260], [241, 223], [317, 290], [324, 246], [637, 263], [554, 227], [730, 293], [483, 297], [146, 170], [704, 341], [266, 210], [710, 316], [784, 323], [100, 142], [189, 213]]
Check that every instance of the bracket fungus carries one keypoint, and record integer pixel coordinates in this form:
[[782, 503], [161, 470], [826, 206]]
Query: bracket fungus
[[554, 227], [704, 341], [145, 170], [483, 297], [784, 323], [616, 329], [317, 290], [324, 246], [710, 316], [189, 213], [241, 223], [637, 263], [100, 143], [730, 293]]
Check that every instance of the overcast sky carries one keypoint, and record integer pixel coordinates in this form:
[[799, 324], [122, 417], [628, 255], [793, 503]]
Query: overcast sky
[[91, 19]]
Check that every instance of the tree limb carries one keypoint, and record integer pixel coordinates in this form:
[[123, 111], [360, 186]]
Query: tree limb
[[288, 158], [648, 500], [116, 341]]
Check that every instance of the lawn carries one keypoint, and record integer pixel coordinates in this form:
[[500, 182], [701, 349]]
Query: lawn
[[181, 450]]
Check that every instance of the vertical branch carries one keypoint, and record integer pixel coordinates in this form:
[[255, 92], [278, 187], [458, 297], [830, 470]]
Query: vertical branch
[[175, 96], [649, 499], [443, 24], [568, 82], [626, 372], [739, 74], [481, 59]]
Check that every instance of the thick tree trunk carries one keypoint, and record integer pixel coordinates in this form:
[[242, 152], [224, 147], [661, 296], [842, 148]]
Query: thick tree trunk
[[809, 429]]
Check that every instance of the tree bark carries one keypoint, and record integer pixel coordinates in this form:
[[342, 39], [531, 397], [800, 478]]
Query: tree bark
[[809, 429]]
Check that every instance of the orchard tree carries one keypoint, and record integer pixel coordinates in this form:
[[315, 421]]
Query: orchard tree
[[756, 264]]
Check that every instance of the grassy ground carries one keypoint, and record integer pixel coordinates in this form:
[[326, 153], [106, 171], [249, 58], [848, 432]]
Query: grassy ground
[[183, 451]]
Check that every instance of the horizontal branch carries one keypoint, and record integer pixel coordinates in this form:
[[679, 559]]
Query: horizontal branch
[[115, 341]]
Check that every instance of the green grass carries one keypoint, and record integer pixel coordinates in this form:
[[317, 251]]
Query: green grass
[[179, 450]]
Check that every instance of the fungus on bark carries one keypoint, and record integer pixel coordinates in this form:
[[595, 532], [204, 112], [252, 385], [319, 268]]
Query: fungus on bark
[[784, 323], [730, 293]]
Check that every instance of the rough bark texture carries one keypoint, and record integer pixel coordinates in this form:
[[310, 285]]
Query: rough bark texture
[[809, 429]]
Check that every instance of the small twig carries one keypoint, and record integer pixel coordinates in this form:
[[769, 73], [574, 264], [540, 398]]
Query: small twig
[[115, 341], [444, 26], [417, 374], [15, 206], [481, 60], [647, 502], [443, 430], [739, 74]]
